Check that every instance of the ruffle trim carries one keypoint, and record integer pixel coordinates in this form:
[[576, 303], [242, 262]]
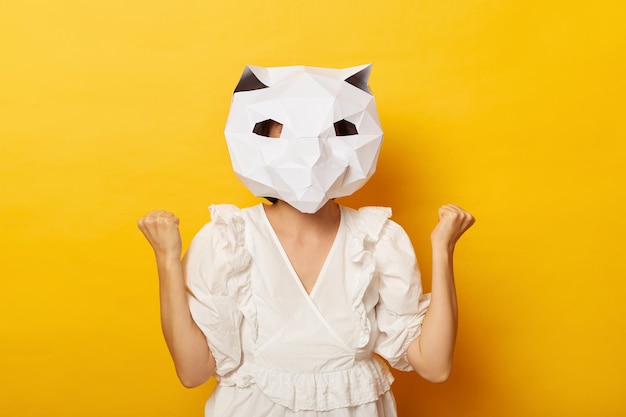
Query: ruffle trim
[[370, 222], [413, 330], [324, 391], [365, 227], [229, 227]]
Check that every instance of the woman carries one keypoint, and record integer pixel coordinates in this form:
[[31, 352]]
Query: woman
[[286, 304]]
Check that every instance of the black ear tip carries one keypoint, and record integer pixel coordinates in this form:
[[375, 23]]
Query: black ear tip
[[249, 82], [360, 78]]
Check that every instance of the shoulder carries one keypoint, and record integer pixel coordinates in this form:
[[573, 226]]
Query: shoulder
[[218, 249], [375, 231], [368, 220], [225, 217], [373, 221], [224, 213]]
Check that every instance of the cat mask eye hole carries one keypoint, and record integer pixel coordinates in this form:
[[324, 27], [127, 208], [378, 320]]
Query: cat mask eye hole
[[268, 128], [345, 128]]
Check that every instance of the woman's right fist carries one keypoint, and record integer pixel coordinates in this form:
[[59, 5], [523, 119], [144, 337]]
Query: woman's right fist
[[161, 229]]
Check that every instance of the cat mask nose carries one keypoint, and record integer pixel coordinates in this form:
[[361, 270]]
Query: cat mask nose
[[330, 138]]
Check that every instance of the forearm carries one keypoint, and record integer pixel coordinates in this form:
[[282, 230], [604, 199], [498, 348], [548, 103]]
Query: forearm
[[185, 341], [431, 353]]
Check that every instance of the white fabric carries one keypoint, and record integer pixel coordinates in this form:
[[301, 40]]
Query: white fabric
[[283, 352]]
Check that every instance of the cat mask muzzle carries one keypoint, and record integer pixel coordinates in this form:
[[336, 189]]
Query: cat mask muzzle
[[330, 139]]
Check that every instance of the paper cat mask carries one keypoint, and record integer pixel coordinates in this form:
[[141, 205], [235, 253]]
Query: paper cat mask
[[330, 137]]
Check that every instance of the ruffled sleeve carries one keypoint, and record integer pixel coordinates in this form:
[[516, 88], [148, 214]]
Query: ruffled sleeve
[[402, 305], [217, 273]]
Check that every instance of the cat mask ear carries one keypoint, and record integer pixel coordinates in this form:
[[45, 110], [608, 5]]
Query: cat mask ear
[[359, 77], [249, 81]]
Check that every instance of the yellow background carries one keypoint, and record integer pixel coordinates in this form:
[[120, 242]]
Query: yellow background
[[512, 109]]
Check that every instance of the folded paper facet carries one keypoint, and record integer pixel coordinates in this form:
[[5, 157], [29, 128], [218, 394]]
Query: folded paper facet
[[330, 139]]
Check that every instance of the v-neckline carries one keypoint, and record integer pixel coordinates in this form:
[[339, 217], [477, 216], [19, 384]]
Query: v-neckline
[[287, 261]]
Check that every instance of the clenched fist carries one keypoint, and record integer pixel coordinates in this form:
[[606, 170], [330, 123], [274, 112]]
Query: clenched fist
[[453, 222], [161, 229]]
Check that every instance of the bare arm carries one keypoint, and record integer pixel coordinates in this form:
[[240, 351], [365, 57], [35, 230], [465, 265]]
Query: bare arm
[[431, 353], [185, 341]]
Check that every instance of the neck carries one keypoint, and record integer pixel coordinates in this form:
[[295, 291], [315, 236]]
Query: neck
[[284, 216]]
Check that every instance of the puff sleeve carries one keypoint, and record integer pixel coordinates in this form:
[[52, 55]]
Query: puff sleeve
[[402, 304], [216, 270]]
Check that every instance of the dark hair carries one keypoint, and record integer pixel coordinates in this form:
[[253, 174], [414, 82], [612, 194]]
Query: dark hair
[[271, 199]]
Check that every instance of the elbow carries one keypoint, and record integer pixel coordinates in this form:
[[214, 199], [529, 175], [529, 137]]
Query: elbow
[[192, 381], [437, 376], [193, 373], [432, 370], [194, 378]]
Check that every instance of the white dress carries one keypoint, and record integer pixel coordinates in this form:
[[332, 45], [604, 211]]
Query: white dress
[[283, 352]]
